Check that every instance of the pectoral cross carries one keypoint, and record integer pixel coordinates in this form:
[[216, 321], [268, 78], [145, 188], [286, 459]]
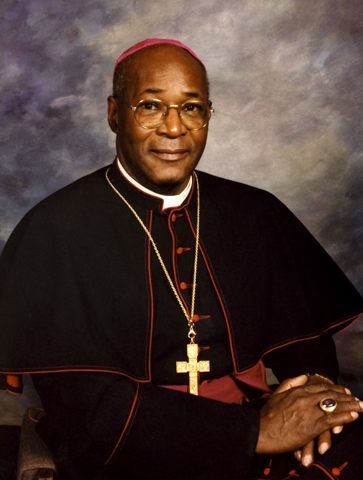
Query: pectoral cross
[[193, 367]]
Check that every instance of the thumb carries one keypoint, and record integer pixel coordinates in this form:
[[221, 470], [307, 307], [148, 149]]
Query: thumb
[[292, 383]]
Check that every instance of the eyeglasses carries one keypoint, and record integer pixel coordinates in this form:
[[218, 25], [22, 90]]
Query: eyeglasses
[[193, 115]]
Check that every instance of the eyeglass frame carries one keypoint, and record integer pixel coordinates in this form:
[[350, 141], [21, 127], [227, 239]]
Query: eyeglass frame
[[178, 107]]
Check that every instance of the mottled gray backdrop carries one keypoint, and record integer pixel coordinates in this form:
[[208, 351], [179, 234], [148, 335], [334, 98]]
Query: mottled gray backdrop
[[286, 82]]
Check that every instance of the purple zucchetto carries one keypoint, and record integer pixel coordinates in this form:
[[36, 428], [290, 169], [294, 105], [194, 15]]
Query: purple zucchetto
[[154, 41]]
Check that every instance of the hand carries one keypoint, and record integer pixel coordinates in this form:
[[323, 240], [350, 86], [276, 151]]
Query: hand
[[306, 454], [292, 418]]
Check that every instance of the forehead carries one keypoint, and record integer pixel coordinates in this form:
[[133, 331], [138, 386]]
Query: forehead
[[167, 68]]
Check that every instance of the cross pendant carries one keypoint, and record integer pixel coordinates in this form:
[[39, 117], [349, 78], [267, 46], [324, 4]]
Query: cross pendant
[[193, 367]]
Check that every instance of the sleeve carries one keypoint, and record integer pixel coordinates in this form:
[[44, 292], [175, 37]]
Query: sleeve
[[316, 355], [108, 422]]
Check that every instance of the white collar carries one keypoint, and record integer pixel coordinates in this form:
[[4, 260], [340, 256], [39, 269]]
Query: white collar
[[169, 201]]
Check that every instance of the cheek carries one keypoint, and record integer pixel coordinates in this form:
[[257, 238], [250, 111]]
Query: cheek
[[200, 139], [140, 137], [133, 141]]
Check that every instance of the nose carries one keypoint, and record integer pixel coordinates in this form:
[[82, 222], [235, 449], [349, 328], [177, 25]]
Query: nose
[[172, 125]]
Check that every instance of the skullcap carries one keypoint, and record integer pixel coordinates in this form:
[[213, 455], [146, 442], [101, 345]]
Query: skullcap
[[154, 41]]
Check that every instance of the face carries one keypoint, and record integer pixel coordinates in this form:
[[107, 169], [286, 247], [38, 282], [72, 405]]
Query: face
[[161, 159]]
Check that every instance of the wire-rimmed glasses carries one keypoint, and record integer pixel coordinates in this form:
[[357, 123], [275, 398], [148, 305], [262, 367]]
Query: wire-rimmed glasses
[[193, 114]]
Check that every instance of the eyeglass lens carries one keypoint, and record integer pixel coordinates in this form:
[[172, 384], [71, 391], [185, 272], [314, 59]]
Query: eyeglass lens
[[151, 114]]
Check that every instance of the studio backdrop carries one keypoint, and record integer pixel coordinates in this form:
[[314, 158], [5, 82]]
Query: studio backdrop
[[286, 84]]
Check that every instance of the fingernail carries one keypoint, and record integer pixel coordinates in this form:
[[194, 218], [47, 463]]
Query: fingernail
[[348, 391], [354, 414], [337, 429], [361, 405], [307, 460], [323, 448]]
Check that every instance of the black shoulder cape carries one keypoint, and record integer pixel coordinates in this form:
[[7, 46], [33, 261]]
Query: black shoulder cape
[[72, 278]]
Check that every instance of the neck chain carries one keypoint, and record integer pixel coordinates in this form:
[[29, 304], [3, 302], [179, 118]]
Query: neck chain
[[193, 366], [189, 318]]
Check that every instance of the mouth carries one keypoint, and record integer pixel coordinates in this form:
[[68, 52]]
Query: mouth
[[170, 154]]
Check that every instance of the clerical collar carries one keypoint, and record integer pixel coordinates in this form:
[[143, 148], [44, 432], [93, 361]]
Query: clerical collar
[[169, 201]]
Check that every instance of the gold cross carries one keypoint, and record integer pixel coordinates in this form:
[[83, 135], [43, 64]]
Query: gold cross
[[193, 367]]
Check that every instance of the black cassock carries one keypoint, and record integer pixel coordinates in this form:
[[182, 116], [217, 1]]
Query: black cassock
[[86, 308]]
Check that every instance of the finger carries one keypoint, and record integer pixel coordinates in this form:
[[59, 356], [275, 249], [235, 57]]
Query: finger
[[307, 454], [327, 422], [292, 383], [344, 402], [337, 429], [316, 378], [348, 404], [321, 380], [347, 410], [297, 455], [324, 442], [314, 387]]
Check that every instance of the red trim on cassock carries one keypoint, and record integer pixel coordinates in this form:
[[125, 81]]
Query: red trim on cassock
[[151, 304], [126, 425], [175, 274], [117, 372], [38, 409], [351, 320], [324, 469], [219, 295]]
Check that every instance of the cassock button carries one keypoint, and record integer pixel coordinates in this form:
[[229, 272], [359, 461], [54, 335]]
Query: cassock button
[[180, 250], [183, 286], [196, 318], [175, 216]]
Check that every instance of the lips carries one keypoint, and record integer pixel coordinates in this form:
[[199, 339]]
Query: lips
[[170, 154]]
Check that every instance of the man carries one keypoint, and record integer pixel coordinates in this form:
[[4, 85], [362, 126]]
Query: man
[[106, 284]]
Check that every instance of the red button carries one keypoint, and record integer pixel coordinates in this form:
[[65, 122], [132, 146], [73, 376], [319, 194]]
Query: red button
[[180, 250], [183, 286], [175, 216], [196, 318]]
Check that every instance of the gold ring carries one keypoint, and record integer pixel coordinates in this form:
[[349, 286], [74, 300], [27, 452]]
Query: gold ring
[[328, 405]]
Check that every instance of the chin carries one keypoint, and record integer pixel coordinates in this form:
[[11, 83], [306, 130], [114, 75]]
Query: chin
[[169, 185]]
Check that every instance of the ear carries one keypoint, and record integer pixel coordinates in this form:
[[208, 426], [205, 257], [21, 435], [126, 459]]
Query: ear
[[112, 110]]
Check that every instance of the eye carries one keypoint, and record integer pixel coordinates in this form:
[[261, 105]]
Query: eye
[[150, 106], [193, 108]]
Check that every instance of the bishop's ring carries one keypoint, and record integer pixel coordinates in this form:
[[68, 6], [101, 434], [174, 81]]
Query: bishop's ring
[[328, 405]]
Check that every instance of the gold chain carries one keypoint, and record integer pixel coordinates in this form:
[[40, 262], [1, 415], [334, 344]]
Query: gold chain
[[192, 333]]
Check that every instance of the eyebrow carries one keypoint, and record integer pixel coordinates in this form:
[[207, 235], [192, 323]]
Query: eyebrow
[[160, 90]]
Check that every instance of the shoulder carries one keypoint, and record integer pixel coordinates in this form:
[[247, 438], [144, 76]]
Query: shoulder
[[235, 194], [238, 205], [79, 192], [70, 205]]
